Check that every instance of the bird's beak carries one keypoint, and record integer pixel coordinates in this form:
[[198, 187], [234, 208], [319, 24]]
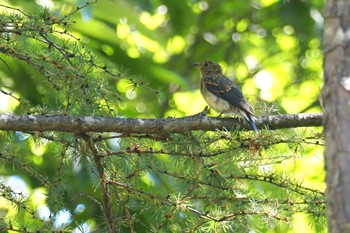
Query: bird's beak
[[196, 64]]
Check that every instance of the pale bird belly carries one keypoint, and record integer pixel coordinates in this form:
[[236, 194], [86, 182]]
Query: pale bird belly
[[218, 104]]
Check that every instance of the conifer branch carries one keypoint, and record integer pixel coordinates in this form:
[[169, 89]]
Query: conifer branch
[[107, 203], [163, 125], [181, 204]]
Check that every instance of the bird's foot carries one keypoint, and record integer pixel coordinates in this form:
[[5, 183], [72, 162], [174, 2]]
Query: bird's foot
[[240, 119], [220, 115], [204, 112]]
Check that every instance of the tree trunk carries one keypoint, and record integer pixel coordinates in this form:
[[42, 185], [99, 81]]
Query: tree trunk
[[336, 99]]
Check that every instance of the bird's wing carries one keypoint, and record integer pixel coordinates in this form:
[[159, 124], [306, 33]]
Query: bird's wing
[[224, 88]]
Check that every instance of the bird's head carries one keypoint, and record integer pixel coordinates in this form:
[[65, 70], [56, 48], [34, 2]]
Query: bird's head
[[209, 67]]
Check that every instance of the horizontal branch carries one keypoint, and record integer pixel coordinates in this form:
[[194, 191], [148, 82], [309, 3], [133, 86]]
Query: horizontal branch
[[141, 125]]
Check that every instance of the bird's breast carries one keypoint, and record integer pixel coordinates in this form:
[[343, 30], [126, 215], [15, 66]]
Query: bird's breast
[[218, 104]]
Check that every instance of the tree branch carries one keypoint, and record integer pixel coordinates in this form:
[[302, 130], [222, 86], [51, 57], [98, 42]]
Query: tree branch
[[141, 125], [106, 203]]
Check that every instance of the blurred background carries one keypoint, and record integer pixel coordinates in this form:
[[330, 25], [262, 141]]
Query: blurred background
[[272, 49]]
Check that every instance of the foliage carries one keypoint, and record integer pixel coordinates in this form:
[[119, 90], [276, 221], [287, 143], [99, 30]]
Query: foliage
[[134, 59]]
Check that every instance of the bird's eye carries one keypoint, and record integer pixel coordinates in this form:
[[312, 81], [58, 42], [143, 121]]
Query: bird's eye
[[206, 64]]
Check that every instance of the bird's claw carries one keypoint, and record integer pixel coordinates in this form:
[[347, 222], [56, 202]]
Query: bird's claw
[[204, 112]]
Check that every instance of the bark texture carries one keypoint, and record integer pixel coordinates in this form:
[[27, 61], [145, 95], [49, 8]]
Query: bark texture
[[336, 99], [80, 124]]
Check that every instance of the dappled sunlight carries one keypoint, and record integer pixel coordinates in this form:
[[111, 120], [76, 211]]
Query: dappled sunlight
[[7, 101], [264, 82], [267, 3], [189, 102], [287, 42], [154, 21], [45, 3]]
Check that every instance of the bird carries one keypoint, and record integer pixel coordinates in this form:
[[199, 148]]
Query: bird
[[222, 95]]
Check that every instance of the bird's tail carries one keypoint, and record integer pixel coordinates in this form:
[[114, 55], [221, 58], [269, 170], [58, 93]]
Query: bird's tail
[[250, 120], [252, 123]]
